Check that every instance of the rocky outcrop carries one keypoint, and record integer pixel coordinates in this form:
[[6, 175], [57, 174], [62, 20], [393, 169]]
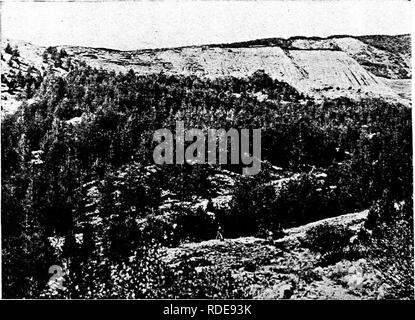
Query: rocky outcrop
[[322, 68], [284, 268]]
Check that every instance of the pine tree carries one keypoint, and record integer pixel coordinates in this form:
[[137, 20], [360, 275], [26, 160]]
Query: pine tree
[[8, 49]]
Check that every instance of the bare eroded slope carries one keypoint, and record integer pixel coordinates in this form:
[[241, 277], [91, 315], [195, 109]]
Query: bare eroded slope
[[332, 67]]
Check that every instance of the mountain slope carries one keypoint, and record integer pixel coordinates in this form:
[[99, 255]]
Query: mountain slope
[[316, 68], [385, 56], [322, 68], [380, 62]]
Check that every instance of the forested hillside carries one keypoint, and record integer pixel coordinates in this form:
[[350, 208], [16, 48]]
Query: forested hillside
[[80, 188]]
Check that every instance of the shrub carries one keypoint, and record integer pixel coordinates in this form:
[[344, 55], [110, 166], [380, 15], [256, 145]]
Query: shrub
[[8, 49], [145, 276], [252, 209], [333, 242], [392, 252], [208, 283], [306, 199]]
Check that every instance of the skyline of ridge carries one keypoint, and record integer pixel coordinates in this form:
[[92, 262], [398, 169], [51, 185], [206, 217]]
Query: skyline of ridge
[[175, 24]]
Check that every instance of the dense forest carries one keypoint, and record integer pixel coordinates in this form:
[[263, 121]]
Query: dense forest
[[77, 168]]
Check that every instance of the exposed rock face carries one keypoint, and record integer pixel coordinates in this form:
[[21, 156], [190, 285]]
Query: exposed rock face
[[381, 62], [320, 73], [284, 269], [337, 66]]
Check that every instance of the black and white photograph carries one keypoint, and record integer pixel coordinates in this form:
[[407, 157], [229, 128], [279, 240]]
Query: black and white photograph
[[207, 150]]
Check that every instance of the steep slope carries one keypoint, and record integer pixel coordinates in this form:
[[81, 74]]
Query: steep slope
[[381, 63], [331, 67], [385, 56], [399, 47], [13, 65], [319, 73], [21, 70]]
